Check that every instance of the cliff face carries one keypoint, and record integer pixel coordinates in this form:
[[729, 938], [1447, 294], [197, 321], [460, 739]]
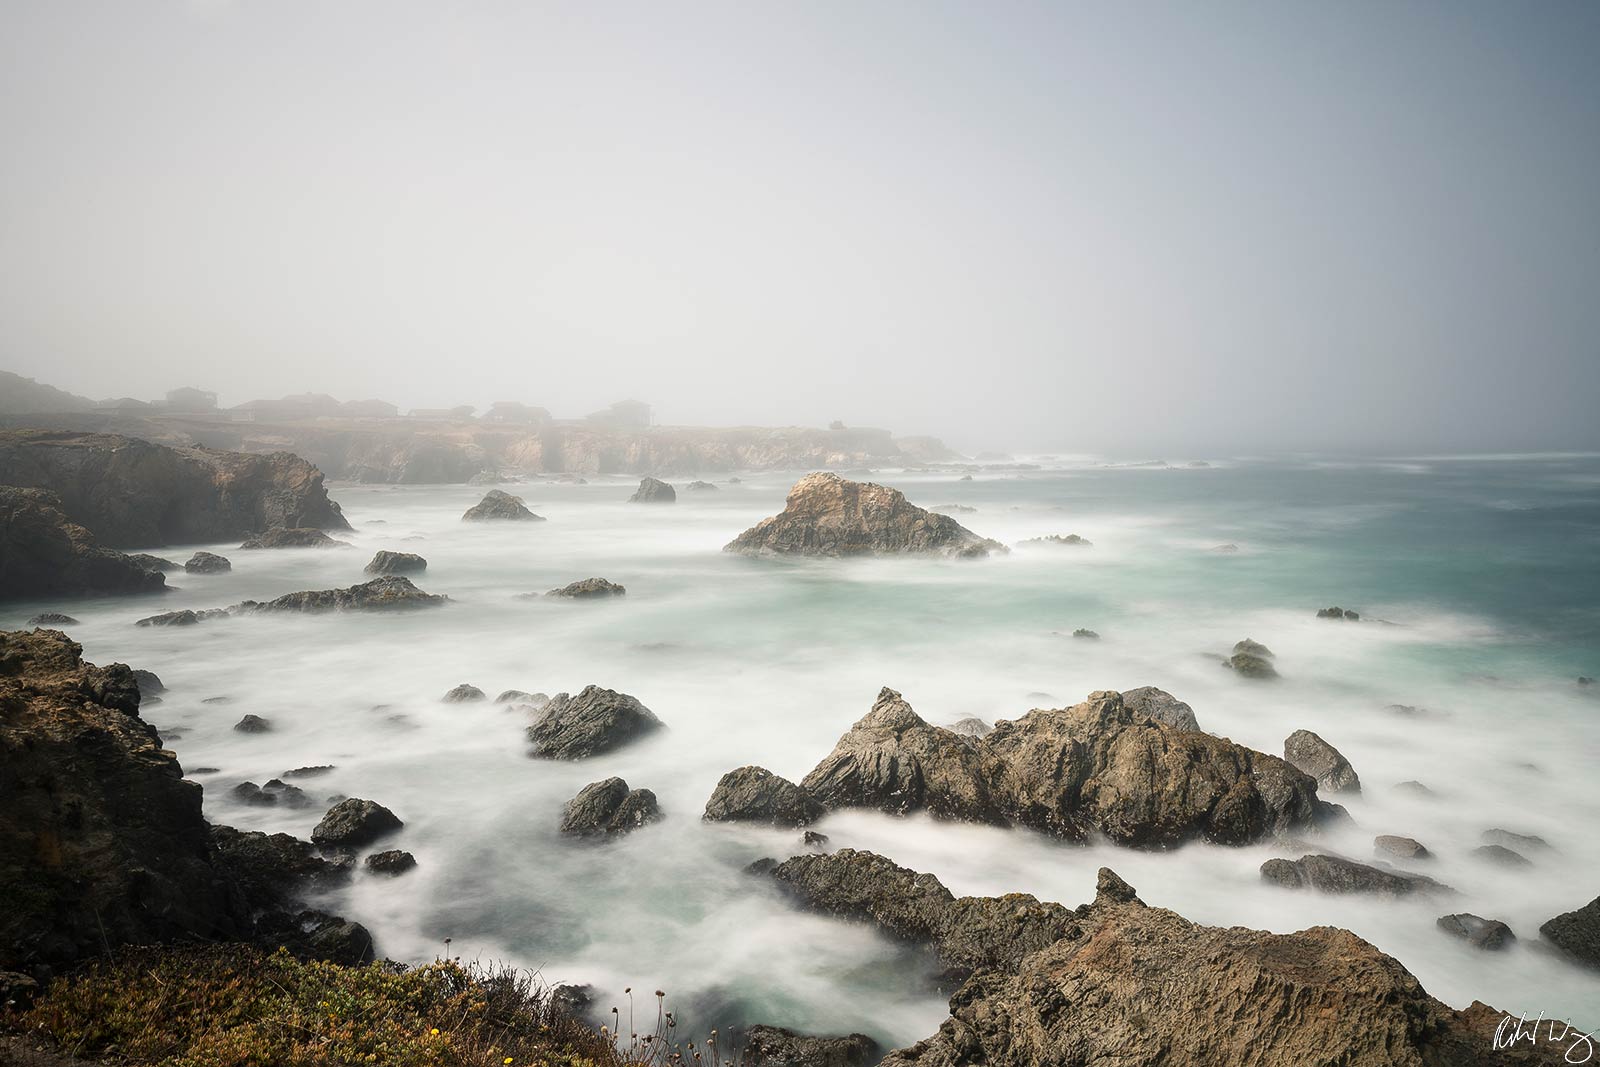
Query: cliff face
[[131, 492], [43, 553]]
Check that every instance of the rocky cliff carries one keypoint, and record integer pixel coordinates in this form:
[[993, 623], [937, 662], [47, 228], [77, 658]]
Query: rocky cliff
[[43, 553]]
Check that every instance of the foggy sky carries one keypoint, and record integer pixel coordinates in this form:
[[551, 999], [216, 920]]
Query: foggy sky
[[1136, 228]]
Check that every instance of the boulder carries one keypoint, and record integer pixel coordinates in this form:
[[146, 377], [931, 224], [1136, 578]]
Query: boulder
[[352, 823], [272, 868], [653, 491], [755, 794], [386, 562], [1251, 659], [1338, 613], [1404, 847], [1095, 768], [1322, 761], [596, 720], [1490, 934], [464, 693], [1334, 874], [391, 862], [149, 684], [609, 807], [1577, 933], [293, 537], [43, 553], [209, 563], [774, 1046], [153, 563], [1500, 856], [1158, 705], [499, 505], [589, 589], [317, 935], [253, 724], [52, 618], [826, 515]]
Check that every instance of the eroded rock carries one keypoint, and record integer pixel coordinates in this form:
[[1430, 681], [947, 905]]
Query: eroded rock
[[755, 794], [609, 807], [1322, 761]]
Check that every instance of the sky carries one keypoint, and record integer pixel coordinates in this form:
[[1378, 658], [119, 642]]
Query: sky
[[1130, 228]]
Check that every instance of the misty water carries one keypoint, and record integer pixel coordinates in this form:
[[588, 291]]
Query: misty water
[[1476, 579]]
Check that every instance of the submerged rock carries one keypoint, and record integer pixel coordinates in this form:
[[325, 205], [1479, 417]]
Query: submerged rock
[[186, 617], [653, 491], [1577, 933], [1334, 874], [826, 515], [755, 794], [293, 537], [253, 724], [1501, 856], [596, 720], [52, 618], [389, 593], [1071, 540], [1490, 934], [43, 553], [386, 562], [698, 486], [1158, 705], [774, 1046], [536, 701], [1090, 634], [609, 807], [464, 693], [1322, 761], [589, 589], [354, 822], [208, 563], [1523, 842], [499, 505], [1338, 613]]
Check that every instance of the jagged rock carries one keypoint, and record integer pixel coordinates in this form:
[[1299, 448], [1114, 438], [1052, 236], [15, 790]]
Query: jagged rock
[[391, 862], [1090, 634], [1491, 934], [1501, 856], [1093, 768], [1524, 842], [1322, 761], [1403, 847], [464, 693], [209, 563], [354, 822], [1056, 539], [497, 504], [250, 793], [102, 842], [653, 491], [755, 794], [774, 1046], [971, 726], [44, 553], [826, 515], [596, 720], [1158, 705], [609, 807], [52, 618], [589, 589], [154, 563], [1338, 613], [133, 492], [386, 562], [1577, 933], [309, 772], [698, 486], [271, 868], [812, 839], [253, 724], [293, 537], [1334, 874]]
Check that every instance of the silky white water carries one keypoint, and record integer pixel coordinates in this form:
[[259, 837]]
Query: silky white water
[[1476, 580]]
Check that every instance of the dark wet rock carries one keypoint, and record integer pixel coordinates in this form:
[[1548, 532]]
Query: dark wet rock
[[1500, 856], [1090, 634], [253, 724], [186, 617], [290, 796], [499, 505], [589, 589], [154, 563], [609, 807], [309, 772], [1322, 761], [1334, 874], [755, 794], [293, 537], [1521, 842], [1577, 933], [826, 515], [149, 684], [272, 868], [52, 619], [317, 935], [391, 862], [1071, 540], [1158, 705], [971, 726], [1338, 613], [596, 720], [354, 822], [698, 486], [653, 491], [536, 701], [464, 693], [1403, 847], [572, 1000], [386, 562], [43, 553], [250, 793], [209, 563], [813, 839], [774, 1046], [1490, 934], [1093, 768]]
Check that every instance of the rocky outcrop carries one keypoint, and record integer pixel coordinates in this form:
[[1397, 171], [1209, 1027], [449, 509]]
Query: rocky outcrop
[[596, 720], [1251, 659], [1490, 934], [132, 492], [391, 862], [774, 1046], [1577, 933], [274, 867], [1338, 613], [1095, 768], [1158, 705], [463, 694], [293, 537], [153, 563], [826, 515], [609, 807], [498, 505], [653, 491], [589, 589], [353, 822], [1322, 761], [386, 562], [389, 593], [44, 553], [755, 794], [208, 563], [1335, 874]]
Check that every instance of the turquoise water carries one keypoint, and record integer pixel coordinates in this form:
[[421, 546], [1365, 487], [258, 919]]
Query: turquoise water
[[1476, 577]]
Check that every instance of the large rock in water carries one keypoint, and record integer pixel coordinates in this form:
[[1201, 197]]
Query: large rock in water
[[826, 515], [653, 491], [1322, 761], [774, 1046], [1094, 768], [596, 720], [609, 807], [1577, 933], [497, 504], [354, 822], [1335, 874], [386, 562], [132, 492], [389, 593], [755, 794], [101, 840], [44, 553]]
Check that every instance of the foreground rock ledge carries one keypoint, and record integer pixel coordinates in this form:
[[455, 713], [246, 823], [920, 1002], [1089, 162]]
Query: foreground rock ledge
[[826, 515]]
